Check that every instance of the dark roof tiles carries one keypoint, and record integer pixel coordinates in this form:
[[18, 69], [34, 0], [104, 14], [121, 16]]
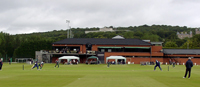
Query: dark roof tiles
[[181, 51], [99, 41]]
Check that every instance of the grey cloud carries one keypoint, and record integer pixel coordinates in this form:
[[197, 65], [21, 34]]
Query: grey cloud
[[26, 16]]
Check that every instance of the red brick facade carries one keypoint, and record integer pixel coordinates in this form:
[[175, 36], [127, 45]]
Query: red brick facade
[[136, 57]]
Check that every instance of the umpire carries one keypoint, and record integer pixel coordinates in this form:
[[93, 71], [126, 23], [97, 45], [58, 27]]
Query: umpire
[[188, 65]]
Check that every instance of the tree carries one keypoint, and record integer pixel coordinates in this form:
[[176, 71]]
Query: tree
[[195, 40], [170, 44], [151, 37], [128, 34], [188, 45], [28, 48], [172, 36], [5, 44], [180, 42], [138, 34]]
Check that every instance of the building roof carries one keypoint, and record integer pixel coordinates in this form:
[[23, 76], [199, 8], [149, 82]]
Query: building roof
[[156, 42], [181, 51], [118, 37], [99, 41]]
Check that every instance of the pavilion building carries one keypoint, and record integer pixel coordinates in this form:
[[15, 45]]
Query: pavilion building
[[134, 50]]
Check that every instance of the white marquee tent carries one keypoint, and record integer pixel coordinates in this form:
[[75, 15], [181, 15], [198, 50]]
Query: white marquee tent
[[116, 58], [68, 58]]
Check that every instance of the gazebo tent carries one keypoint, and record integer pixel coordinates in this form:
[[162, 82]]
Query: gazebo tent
[[68, 58], [93, 57], [92, 62], [116, 58]]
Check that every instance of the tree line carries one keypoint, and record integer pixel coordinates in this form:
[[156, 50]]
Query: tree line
[[25, 45]]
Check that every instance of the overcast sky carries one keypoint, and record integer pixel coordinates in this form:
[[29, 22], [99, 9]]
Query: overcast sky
[[27, 16]]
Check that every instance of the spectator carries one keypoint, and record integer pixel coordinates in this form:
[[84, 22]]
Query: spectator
[[77, 62], [77, 51], [91, 62], [62, 61], [31, 61], [173, 63], [65, 50], [113, 62], [74, 61], [57, 51], [9, 61], [70, 62], [69, 50], [188, 65], [108, 64], [170, 61]]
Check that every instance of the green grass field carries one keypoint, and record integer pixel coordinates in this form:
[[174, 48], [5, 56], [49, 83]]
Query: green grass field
[[97, 76]]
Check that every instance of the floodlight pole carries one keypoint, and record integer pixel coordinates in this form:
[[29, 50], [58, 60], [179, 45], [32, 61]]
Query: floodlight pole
[[68, 32], [188, 42]]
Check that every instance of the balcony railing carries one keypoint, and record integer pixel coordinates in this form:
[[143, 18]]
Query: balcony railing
[[66, 52]]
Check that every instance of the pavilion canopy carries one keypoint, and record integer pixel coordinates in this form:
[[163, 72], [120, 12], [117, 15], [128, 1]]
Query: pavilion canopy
[[93, 57], [116, 58], [68, 58]]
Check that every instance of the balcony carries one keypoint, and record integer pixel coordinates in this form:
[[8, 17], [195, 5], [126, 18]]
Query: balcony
[[71, 52]]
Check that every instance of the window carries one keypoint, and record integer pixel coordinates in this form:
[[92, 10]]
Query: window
[[102, 50], [109, 50]]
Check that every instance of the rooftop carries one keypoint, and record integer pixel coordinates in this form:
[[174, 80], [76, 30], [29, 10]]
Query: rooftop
[[181, 51], [99, 41]]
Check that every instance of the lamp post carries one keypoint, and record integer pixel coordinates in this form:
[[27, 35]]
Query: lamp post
[[68, 21], [188, 43], [68, 32]]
